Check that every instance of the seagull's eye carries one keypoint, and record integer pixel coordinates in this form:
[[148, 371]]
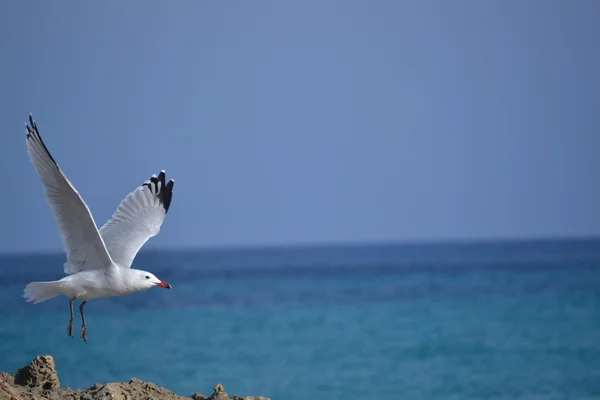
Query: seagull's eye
[[147, 277]]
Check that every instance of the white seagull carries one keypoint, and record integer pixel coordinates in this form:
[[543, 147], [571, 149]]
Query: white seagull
[[98, 261]]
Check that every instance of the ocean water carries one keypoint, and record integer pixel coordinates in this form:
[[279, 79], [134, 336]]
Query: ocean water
[[455, 321]]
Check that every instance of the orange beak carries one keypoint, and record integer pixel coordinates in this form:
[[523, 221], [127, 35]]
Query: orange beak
[[164, 285]]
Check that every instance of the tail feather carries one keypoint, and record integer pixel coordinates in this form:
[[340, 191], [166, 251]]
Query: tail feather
[[41, 291]]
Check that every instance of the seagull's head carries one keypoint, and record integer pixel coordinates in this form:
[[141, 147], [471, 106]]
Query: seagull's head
[[146, 280]]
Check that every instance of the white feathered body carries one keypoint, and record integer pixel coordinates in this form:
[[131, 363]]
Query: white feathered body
[[89, 285]]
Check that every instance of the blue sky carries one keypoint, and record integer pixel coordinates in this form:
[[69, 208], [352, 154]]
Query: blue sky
[[308, 121]]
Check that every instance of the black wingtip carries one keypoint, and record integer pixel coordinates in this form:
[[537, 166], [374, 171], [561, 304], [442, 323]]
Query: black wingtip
[[168, 194], [29, 130], [157, 186], [161, 178], [33, 125], [34, 133]]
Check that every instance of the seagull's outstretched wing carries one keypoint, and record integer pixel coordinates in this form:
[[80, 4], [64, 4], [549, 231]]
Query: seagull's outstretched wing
[[81, 239], [137, 219]]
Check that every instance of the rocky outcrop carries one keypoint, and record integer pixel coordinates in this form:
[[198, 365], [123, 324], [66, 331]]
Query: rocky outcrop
[[40, 373], [39, 381]]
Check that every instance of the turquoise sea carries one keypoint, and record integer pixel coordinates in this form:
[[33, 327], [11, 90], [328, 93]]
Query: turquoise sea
[[501, 320]]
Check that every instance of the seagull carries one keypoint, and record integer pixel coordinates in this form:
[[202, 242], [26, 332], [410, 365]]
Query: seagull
[[98, 262]]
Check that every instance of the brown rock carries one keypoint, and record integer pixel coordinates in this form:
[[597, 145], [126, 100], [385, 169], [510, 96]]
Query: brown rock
[[40, 373], [249, 398], [135, 389], [219, 393], [39, 381]]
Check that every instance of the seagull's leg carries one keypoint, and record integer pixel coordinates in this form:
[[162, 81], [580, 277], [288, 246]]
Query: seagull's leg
[[70, 330], [83, 327]]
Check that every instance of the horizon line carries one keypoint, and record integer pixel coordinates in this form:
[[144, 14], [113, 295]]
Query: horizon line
[[341, 244]]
